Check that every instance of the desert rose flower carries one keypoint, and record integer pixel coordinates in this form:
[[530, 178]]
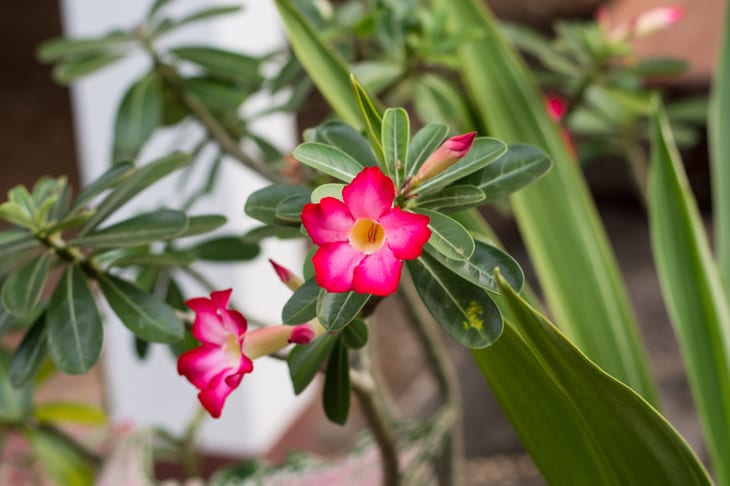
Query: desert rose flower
[[363, 239], [227, 351]]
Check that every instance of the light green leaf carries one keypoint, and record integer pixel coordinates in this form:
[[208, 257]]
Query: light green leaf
[[424, 143], [138, 115], [142, 313], [306, 360], [335, 310], [463, 310], [23, 288], [58, 48], [73, 324], [74, 68], [328, 159], [448, 236], [14, 213], [438, 100], [377, 75], [327, 190], [692, 291], [69, 412], [372, 119], [162, 224], [396, 132]]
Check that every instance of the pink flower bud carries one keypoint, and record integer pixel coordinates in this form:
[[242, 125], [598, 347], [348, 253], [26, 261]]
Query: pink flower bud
[[555, 107], [449, 153], [286, 276]]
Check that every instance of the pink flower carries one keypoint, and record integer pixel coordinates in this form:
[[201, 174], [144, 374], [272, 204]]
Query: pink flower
[[286, 276], [363, 240], [226, 352]]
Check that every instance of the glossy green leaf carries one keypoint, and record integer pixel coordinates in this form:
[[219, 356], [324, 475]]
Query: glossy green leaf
[[484, 151], [142, 313], [138, 115], [464, 310], [345, 138], [74, 327], [59, 459], [30, 354], [448, 236], [69, 412], [595, 314], [225, 249], [159, 225], [460, 196], [74, 68], [718, 129], [692, 291], [335, 310], [302, 305], [22, 290], [222, 64], [305, 361], [328, 159], [113, 176], [327, 190], [290, 208], [355, 335], [423, 144], [395, 135], [262, 204], [336, 391], [372, 119], [132, 185], [518, 167], [589, 428], [479, 267], [15, 403]]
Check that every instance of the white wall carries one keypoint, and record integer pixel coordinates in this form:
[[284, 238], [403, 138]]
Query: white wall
[[151, 392]]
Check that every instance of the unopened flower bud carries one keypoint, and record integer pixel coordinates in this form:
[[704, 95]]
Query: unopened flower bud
[[270, 339], [449, 153], [286, 276]]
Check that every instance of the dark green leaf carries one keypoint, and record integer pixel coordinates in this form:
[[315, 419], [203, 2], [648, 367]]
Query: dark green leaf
[[448, 236], [74, 68], [345, 138], [162, 224], [336, 391], [424, 143], [355, 335], [221, 64], [519, 166], [225, 249], [328, 159], [453, 197], [138, 115], [337, 309], [660, 66], [262, 204], [148, 258], [218, 96], [464, 310], [302, 305], [396, 132], [30, 354], [204, 223], [305, 360], [290, 208], [141, 347], [75, 332], [142, 313], [22, 290]]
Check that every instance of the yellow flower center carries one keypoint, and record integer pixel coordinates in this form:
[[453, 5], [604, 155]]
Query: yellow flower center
[[367, 236]]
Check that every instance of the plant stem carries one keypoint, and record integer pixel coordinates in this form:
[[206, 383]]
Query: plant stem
[[74, 444]]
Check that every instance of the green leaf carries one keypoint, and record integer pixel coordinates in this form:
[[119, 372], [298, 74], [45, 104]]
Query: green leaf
[[133, 185], [222, 64], [355, 335], [396, 132], [448, 236], [203, 14], [424, 143], [479, 267], [600, 431], [113, 176], [15, 243], [335, 310], [345, 138], [518, 167], [157, 5], [29, 356], [15, 214], [225, 249], [465, 311], [142, 313], [15, 403], [148, 258], [55, 49], [69, 412], [302, 305], [262, 204], [372, 120], [377, 75], [75, 332], [217, 95], [596, 313], [159, 225], [138, 115], [718, 129], [201, 224], [327, 190], [60, 460], [692, 290], [484, 151], [74, 68], [437, 100], [260, 233], [328, 159], [460, 196], [305, 360], [336, 391], [290, 208], [22, 290]]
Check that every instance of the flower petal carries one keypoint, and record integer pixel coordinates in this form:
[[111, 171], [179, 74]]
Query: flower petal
[[234, 322], [405, 233], [207, 327], [213, 397], [200, 365], [221, 297], [370, 194], [378, 274], [328, 221], [334, 265]]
